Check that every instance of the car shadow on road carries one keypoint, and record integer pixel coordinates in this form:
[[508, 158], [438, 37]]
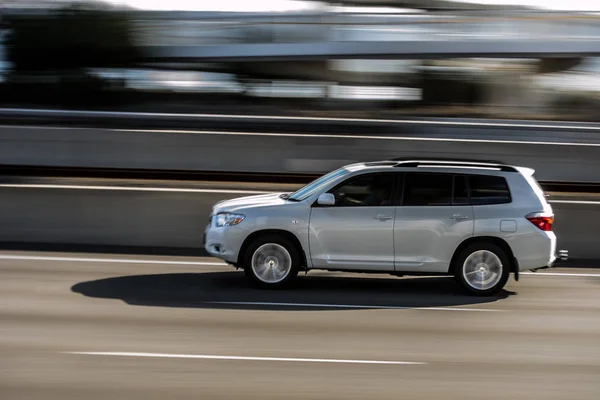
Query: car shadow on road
[[231, 290]]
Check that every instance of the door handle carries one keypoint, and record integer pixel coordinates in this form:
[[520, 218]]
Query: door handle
[[459, 216], [382, 217]]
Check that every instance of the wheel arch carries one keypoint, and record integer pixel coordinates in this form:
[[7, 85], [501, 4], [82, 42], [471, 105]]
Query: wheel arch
[[503, 244], [281, 232]]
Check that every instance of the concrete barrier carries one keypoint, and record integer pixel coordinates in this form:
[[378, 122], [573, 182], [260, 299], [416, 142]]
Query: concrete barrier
[[151, 219], [575, 159]]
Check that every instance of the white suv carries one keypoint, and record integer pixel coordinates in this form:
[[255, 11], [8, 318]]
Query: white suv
[[476, 221]]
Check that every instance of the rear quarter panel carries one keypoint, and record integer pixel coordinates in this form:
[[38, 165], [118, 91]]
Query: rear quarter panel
[[531, 247]]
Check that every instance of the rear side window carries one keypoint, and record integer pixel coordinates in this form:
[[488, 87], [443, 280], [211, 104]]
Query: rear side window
[[489, 190], [428, 190], [461, 194]]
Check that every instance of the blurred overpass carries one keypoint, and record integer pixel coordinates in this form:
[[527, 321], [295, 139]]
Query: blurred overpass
[[261, 46], [214, 37], [333, 47], [427, 5], [375, 49]]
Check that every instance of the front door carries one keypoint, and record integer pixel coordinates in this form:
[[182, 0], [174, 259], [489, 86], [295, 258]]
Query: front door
[[357, 232]]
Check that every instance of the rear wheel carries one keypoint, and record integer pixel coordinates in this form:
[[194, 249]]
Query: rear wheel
[[271, 262], [482, 269]]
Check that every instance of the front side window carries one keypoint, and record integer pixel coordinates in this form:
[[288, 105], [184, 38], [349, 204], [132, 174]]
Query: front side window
[[369, 190], [425, 189]]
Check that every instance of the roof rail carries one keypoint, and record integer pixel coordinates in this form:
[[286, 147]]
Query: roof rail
[[449, 159], [380, 163], [462, 163]]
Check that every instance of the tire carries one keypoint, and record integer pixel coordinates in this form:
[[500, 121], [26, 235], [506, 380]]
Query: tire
[[482, 269], [271, 262]]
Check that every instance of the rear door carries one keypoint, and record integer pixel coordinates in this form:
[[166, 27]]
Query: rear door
[[433, 218]]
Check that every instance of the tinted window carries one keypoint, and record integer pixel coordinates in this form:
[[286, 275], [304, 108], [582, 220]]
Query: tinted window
[[367, 190], [427, 190], [489, 190], [461, 195]]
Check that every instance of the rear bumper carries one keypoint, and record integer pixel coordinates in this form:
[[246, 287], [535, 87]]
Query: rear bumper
[[534, 250], [560, 257]]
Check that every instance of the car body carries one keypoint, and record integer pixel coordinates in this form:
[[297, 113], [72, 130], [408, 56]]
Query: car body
[[478, 221]]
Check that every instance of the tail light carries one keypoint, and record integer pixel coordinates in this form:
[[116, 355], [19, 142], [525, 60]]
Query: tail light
[[542, 221]]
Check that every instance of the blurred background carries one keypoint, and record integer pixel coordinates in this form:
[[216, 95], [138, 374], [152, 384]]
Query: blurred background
[[123, 122], [497, 59]]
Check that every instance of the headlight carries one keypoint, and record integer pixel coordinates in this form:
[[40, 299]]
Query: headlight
[[228, 219]]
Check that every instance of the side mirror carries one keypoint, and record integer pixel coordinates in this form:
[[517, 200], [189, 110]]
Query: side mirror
[[326, 199]]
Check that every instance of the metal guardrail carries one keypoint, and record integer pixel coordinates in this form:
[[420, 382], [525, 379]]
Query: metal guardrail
[[66, 115], [8, 172], [558, 152]]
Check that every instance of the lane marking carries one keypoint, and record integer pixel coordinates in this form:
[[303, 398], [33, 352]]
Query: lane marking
[[242, 358], [109, 260], [590, 202], [565, 124], [372, 137], [223, 264], [340, 135], [129, 188], [349, 306], [583, 275]]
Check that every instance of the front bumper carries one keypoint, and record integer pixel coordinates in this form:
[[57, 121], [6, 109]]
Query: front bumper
[[224, 243]]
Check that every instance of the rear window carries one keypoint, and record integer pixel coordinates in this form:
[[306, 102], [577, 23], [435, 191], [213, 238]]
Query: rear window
[[489, 190]]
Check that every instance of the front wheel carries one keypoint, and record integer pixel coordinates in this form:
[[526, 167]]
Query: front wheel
[[482, 269], [271, 262]]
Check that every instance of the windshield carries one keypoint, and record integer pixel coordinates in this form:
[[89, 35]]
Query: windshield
[[308, 190]]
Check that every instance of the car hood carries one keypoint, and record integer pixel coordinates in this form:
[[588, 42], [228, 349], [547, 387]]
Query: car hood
[[248, 201]]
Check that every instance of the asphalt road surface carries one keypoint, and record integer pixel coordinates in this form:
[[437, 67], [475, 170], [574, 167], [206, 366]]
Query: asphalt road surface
[[86, 326]]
